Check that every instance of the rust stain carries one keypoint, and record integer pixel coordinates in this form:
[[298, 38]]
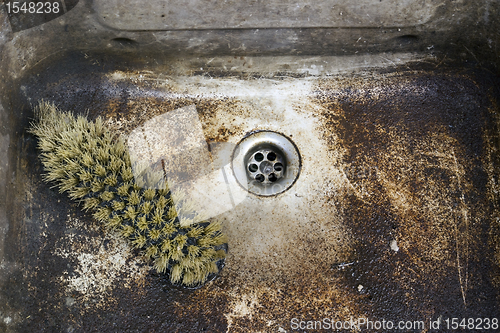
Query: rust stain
[[427, 195], [395, 215], [491, 161]]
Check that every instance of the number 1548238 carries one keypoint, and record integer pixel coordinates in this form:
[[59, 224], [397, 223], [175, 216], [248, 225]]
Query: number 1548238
[[33, 7]]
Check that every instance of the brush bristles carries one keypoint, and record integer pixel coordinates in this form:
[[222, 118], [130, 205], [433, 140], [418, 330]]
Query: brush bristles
[[92, 165]]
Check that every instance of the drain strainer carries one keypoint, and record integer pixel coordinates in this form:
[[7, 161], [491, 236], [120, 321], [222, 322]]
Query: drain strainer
[[266, 163]]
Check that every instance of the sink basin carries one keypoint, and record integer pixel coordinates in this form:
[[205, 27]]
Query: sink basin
[[392, 218]]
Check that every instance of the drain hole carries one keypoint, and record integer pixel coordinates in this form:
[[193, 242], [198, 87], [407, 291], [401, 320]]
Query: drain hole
[[271, 156], [407, 39], [124, 41], [266, 163], [260, 178]]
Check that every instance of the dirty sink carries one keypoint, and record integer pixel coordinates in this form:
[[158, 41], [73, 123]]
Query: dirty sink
[[386, 114]]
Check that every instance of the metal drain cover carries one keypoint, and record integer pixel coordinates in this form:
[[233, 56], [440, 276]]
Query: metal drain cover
[[266, 163]]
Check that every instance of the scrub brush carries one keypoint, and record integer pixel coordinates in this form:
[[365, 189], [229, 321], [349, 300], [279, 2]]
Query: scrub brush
[[92, 165]]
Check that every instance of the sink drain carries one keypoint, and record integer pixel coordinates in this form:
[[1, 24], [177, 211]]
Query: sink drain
[[266, 166], [266, 163]]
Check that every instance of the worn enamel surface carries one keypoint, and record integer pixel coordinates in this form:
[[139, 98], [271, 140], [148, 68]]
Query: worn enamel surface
[[393, 216]]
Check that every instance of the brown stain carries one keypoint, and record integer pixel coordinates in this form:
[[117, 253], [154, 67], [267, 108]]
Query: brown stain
[[126, 114], [309, 286], [141, 109], [384, 129], [428, 190], [491, 161], [220, 130]]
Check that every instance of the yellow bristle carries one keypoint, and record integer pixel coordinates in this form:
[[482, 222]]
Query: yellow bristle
[[51, 160], [47, 144], [55, 174], [172, 213], [127, 174], [91, 145], [133, 198], [111, 180], [198, 264], [127, 231], [124, 190], [91, 203], [81, 123], [139, 241], [152, 251], [208, 254], [181, 240], [97, 186], [154, 234], [119, 148], [202, 274], [208, 240], [213, 228], [195, 232], [168, 229], [161, 263], [176, 273], [114, 222], [204, 241], [142, 223], [115, 164], [177, 253], [72, 167], [219, 239], [130, 213], [149, 194], [220, 254], [102, 155], [157, 217], [87, 160], [189, 278], [100, 170], [212, 268], [85, 176], [146, 207], [166, 245], [188, 263], [163, 190], [79, 192], [118, 205], [102, 214], [162, 202], [98, 127], [107, 196], [69, 184], [193, 250]]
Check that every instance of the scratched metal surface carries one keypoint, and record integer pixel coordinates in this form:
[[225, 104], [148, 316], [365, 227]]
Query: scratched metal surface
[[394, 216]]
